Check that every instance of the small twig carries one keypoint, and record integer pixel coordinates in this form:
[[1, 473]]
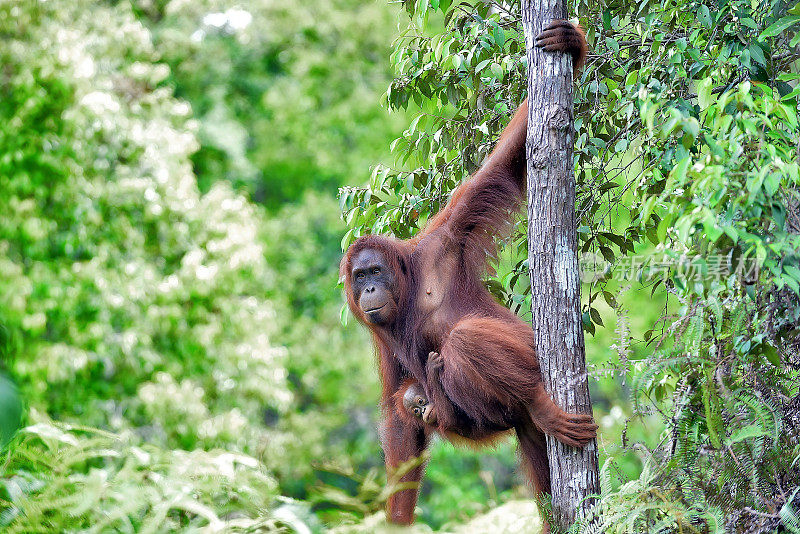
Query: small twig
[[778, 484], [735, 459], [786, 55], [761, 514], [723, 88]]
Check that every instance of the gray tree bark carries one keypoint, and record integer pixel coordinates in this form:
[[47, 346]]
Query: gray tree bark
[[552, 255]]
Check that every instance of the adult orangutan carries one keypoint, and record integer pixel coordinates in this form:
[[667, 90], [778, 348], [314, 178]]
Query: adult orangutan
[[443, 342]]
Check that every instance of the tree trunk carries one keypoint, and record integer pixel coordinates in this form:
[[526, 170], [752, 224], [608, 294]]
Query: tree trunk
[[552, 253]]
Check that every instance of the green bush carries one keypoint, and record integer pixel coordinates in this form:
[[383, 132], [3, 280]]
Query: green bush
[[117, 270], [66, 478]]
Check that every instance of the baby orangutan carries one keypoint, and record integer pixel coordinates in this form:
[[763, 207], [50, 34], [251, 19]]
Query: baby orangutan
[[416, 404]]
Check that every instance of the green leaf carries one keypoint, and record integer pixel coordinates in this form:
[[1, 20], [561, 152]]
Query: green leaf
[[691, 127], [678, 173], [346, 239], [792, 271], [771, 354], [792, 284], [482, 65], [751, 291], [780, 26], [647, 209], [10, 410], [671, 124], [757, 54], [795, 91], [704, 95], [596, 316], [750, 23], [497, 70], [748, 432], [761, 252], [712, 230], [499, 35], [606, 19], [704, 16], [415, 123]]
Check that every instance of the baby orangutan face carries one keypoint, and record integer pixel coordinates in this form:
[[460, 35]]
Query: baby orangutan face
[[417, 404]]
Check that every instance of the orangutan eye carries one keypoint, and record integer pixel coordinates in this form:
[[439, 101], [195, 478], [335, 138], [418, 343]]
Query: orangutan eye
[[360, 277], [416, 411], [376, 270], [420, 401]]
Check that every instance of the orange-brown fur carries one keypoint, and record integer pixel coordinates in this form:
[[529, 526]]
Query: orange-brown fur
[[486, 379]]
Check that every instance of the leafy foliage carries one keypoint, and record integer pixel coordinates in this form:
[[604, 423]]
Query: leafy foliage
[[107, 240], [130, 300], [279, 89], [466, 79], [98, 481]]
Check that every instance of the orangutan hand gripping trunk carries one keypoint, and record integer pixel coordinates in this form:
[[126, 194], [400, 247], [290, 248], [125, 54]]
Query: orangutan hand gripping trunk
[[452, 360]]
